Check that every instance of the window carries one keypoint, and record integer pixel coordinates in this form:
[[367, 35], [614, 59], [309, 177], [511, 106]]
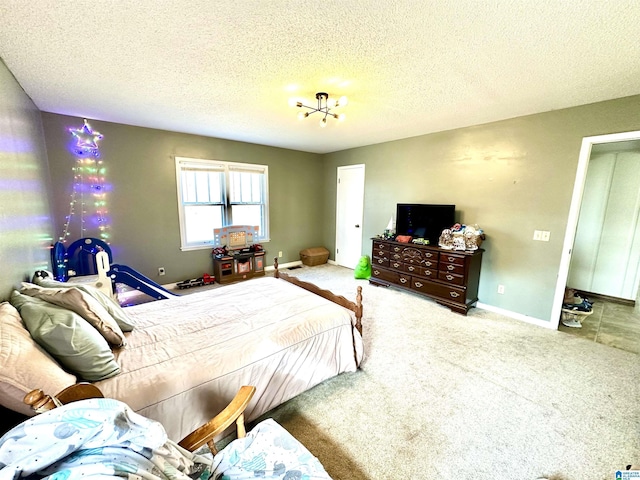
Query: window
[[213, 194]]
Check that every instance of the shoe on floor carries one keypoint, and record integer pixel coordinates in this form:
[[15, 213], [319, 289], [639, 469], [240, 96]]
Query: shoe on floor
[[578, 307], [571, 323]]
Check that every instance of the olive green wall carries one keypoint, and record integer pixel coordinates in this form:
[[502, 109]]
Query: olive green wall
[[140, 168], [25, 216], [510, 177]]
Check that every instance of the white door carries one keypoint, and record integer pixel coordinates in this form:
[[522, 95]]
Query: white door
[[349, 214]]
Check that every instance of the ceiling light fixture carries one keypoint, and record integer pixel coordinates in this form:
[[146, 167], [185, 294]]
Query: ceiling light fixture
[[324, 106]]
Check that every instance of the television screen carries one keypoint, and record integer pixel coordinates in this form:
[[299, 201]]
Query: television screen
[[424, 221]]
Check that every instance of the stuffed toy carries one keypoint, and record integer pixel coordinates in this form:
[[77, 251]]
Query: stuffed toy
[[363, 269]]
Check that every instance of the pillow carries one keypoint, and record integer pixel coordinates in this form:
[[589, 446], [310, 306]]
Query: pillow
[[67, 337], [115, 310], [84, 305], [24, 365]]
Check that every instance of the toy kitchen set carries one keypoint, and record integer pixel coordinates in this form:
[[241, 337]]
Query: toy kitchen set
[[236, 257]]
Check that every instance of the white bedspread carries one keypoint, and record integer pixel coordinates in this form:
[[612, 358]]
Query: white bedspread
[[188, 356]]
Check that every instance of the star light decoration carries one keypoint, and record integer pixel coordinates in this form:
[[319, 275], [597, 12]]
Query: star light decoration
[[86, 140], [88, 185]]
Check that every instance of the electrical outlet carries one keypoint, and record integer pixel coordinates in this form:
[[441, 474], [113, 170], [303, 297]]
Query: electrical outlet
[[501, 289], [537, 234], [545, 236], [280, 254], [161, 271]]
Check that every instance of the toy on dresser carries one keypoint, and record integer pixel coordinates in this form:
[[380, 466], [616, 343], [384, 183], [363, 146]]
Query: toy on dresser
[[461, 237]]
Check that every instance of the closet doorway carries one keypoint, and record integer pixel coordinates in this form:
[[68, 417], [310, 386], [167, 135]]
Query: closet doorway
[[606, 249], [601, 252]]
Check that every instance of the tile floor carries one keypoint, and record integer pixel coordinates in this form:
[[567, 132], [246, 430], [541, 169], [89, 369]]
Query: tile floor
[[611, 323]]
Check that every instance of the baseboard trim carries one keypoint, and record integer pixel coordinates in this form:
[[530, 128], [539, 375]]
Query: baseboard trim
[[270, 268], [517, 316]]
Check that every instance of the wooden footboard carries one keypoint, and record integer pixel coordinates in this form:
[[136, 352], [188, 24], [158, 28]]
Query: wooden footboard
[[355, 307]]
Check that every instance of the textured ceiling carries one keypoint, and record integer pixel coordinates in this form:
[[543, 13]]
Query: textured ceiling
[[227, 68]]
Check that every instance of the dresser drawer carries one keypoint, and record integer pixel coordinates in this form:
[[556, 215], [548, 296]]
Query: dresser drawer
[[386, 275], [430, 255], [379, 253], [382, 262], [380, 246], [430, 273], [413, 269], [451, 268], [452, 258], [396, 265], [430, 263], [451, 278], [396, 248], [451, 293], [404, 280]]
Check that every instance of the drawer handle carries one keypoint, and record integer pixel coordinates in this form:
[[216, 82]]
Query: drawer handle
[[396, 265], [403, 280], [428, 264], [376, 272], [454, 294], [396, 249], [428, 255], [452, 259], [411, 269], [449, 277], [380, 260], [427, 272], [381, 253], [450, 267], [419, 284]]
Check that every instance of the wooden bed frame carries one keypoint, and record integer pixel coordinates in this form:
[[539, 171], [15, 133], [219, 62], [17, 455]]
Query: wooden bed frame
[[355, 307]]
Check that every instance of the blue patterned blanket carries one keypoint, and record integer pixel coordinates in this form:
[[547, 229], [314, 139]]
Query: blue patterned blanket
[[104, 438], [95, 438]]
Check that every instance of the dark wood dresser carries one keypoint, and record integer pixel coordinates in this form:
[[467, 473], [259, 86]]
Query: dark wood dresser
[[450, 277]]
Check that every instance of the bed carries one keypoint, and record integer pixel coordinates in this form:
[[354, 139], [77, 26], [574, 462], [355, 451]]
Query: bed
[[187, 356]]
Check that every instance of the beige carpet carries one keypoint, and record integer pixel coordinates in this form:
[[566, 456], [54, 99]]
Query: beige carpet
[[440, 395]]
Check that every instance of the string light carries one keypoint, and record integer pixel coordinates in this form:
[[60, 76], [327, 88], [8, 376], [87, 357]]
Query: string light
[[89, 177]]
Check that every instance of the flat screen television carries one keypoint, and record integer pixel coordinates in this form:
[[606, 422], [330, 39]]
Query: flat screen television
[[424, 221]]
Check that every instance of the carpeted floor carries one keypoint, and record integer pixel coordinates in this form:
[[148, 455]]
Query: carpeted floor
[[440, 395]]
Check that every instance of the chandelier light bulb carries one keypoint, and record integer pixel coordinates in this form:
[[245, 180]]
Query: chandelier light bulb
[[342, 117], [342, 101], [302, 115]]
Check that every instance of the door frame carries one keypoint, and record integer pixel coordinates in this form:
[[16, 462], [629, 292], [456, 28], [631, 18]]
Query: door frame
[[574, 213], [361, 167]]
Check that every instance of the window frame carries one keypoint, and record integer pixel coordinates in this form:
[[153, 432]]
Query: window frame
[[225, 168]]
